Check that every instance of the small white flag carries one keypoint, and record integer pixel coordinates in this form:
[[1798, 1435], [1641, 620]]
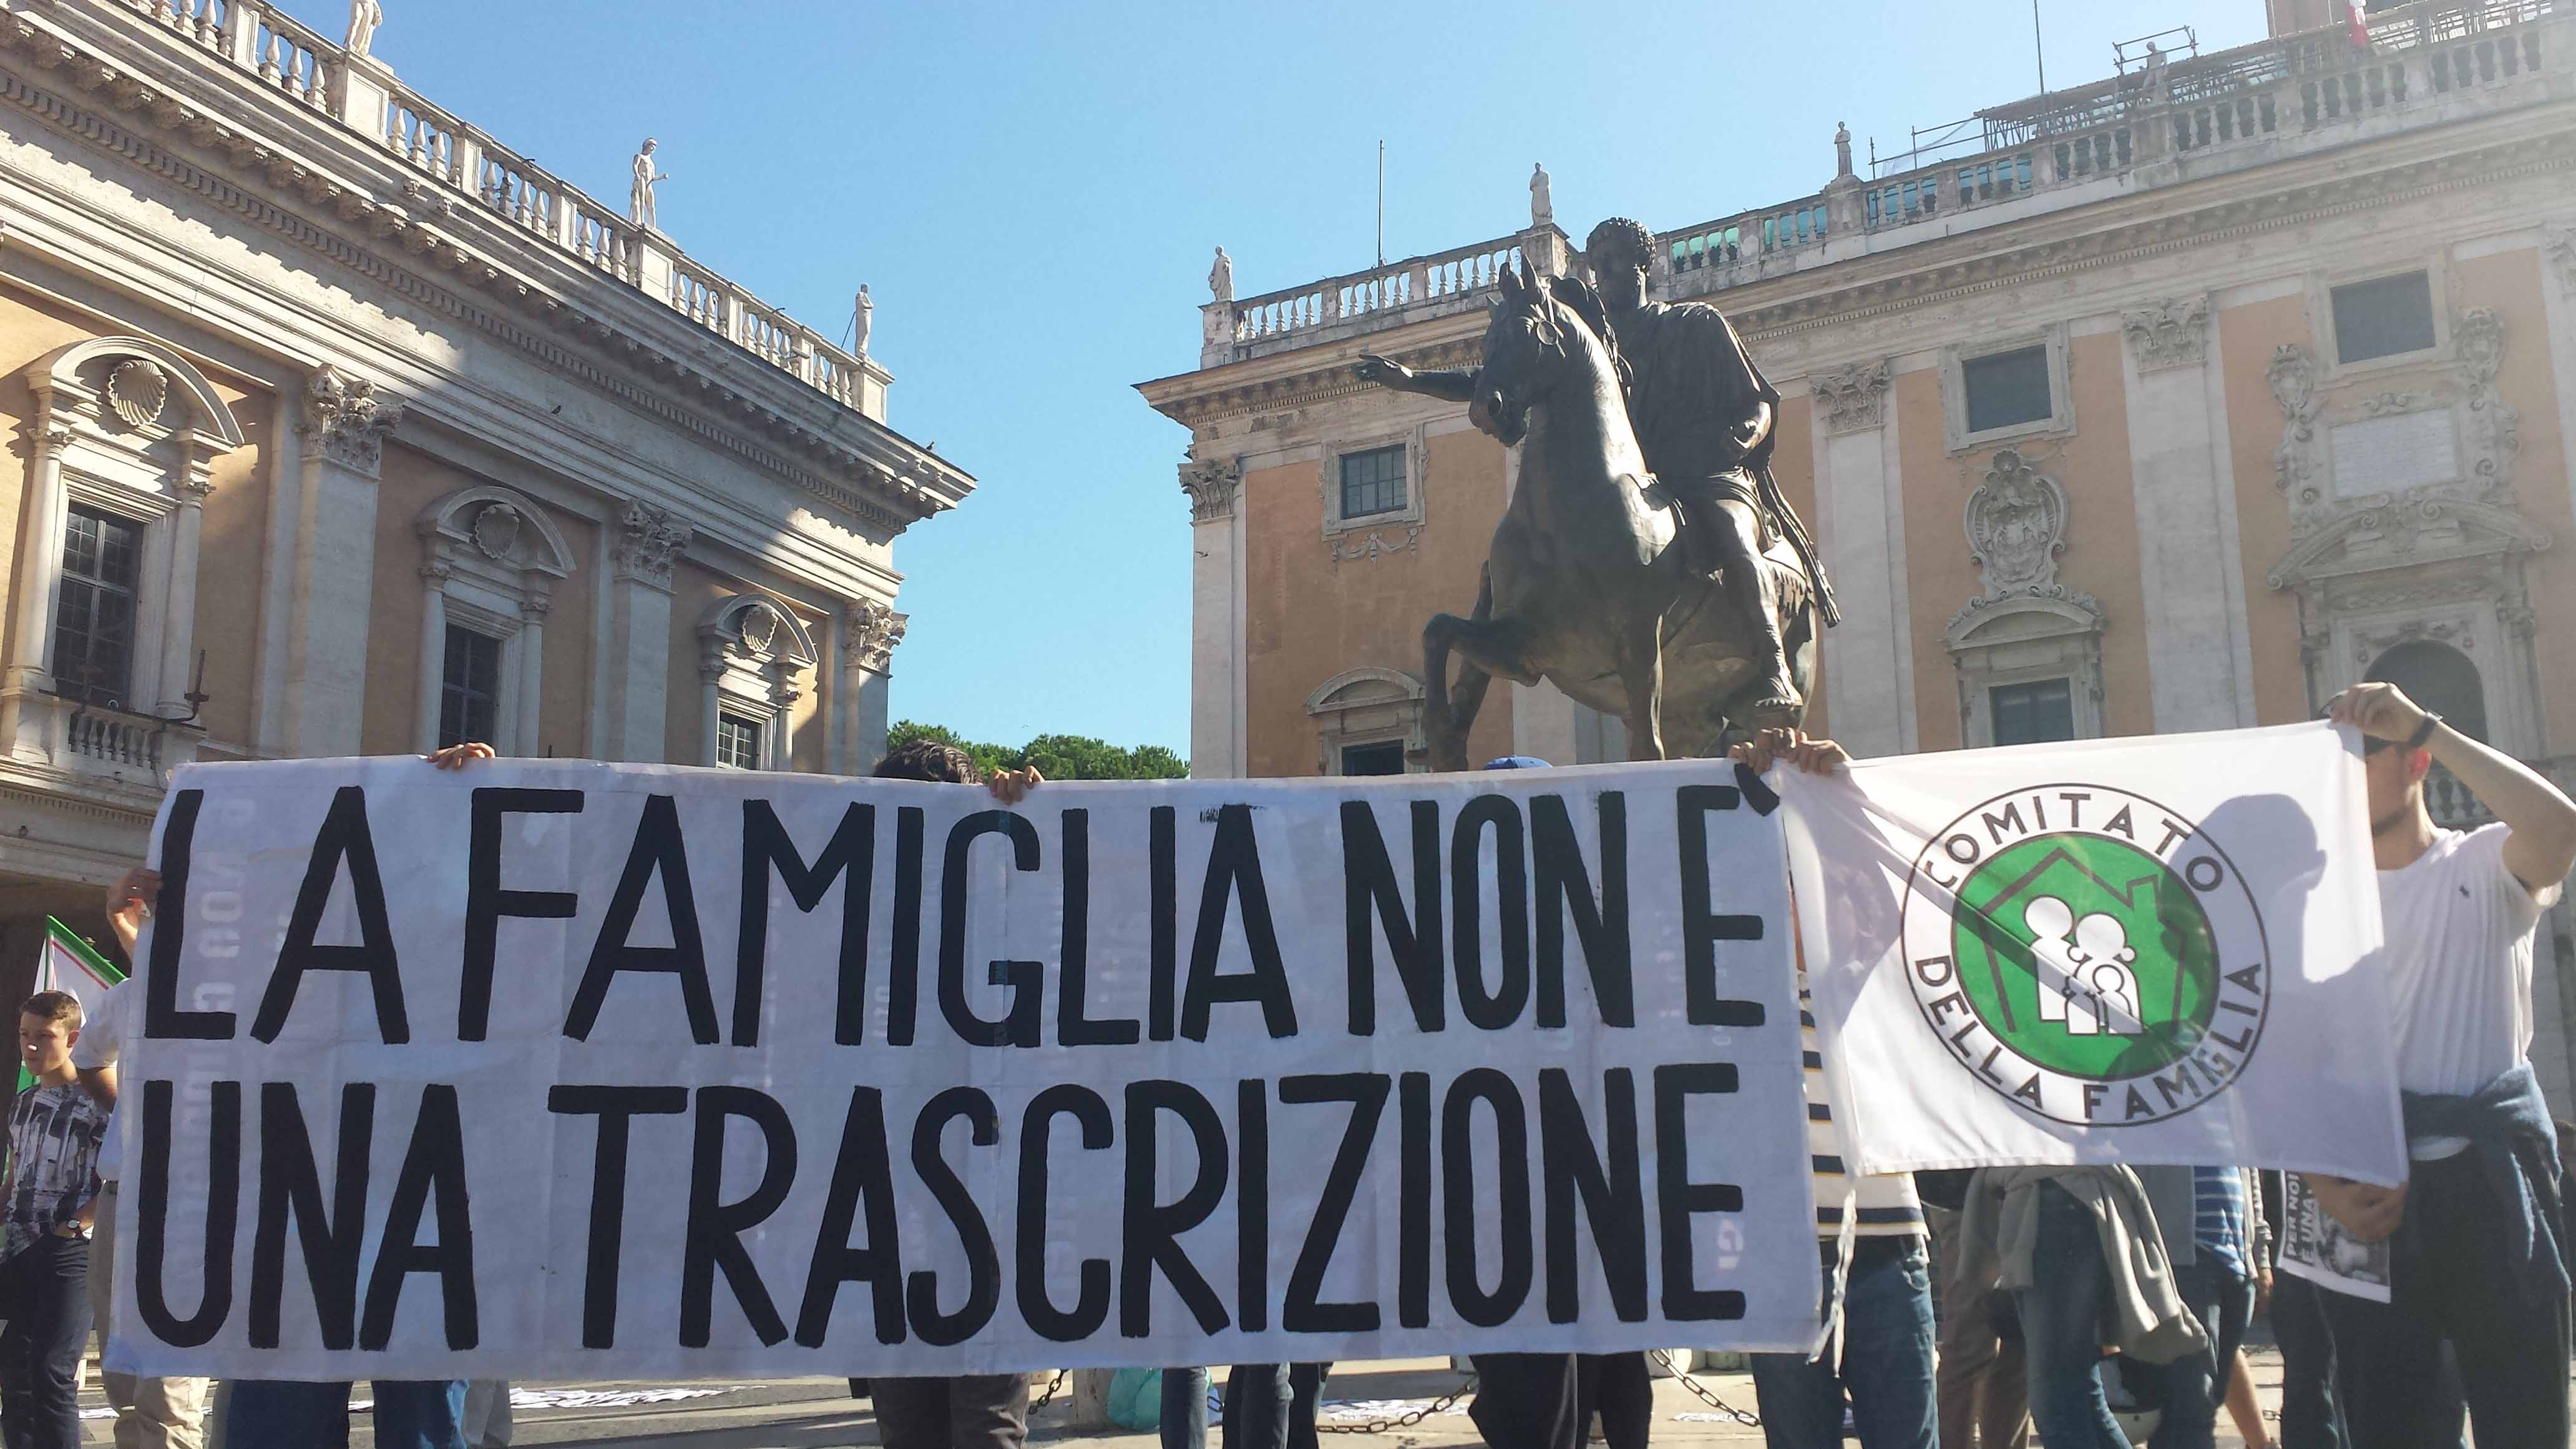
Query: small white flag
[[2147, 951]]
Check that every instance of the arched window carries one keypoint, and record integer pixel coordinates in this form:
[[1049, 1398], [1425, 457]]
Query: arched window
[[2440, 678], [753, 654], [490, 559], [1368, 721]]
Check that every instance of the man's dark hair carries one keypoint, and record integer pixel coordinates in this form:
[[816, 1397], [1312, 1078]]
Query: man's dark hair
[[928, 760], [1620, 236]]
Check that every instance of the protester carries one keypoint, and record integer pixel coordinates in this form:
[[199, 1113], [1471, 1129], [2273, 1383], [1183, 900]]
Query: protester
[[409, 1413], [1885, 1294], [1184, 1417], [1272, 1405], [54, 1131], [150, 1413], [963, 1411], [1980, 1389], [2219, 1277], [2477, 1253]]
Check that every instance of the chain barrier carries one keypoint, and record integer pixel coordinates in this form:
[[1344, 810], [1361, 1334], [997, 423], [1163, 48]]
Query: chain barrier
[[1408, 1418], [1731, 1413], [1054, 1386]]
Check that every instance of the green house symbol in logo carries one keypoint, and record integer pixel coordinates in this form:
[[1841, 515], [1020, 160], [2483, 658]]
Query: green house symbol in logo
[[2086, 955]]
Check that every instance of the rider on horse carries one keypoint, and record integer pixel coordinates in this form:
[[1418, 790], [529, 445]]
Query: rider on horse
[[1703, 414]]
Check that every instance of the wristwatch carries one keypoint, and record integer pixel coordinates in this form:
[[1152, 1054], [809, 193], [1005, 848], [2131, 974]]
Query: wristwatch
[[2424, 731]]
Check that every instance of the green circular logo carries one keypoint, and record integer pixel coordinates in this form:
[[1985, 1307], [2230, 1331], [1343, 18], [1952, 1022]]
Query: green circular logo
[[2087, 953]]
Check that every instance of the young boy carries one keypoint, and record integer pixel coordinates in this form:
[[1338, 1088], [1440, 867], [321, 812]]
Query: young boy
[[54, 1135]]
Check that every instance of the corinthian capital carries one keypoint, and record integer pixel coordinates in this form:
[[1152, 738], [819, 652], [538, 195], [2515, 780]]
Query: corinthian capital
[[649, 541], [1212, 488], [1854, 397], [349, 419], [2172, 333], [869, 633]]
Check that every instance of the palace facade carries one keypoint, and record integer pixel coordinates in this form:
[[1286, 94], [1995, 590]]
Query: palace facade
[[338, 427], [2167, 403]]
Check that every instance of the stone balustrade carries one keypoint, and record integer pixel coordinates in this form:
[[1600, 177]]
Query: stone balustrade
[[275, 52], [1443, 281], [2425, 60], [2454, 808], [111, 753]]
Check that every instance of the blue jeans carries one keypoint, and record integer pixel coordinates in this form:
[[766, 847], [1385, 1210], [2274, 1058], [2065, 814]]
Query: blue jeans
[[410, 1414], [2223, 1301], [1185, 1408], [44, 1296], [2061, 1326], [1886, 1365]]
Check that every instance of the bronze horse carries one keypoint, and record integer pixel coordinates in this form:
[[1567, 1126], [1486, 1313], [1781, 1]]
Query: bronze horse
[[1587, 585]]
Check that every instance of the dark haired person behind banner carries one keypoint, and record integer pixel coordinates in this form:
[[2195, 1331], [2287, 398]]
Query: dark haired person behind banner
[[2478, 1254], [963, 1411], [1885, 1334]]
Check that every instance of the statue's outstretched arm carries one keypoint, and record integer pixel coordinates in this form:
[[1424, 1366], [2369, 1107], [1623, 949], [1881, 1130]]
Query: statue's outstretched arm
[[1454, 385]]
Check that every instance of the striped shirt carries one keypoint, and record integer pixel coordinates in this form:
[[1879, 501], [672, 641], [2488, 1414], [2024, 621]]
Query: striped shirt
[[53, 1148], [2224, 1210], [1886, 1206]]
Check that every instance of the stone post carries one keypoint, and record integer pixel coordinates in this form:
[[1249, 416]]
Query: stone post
[[533, 608], [361, 90], [1217, 740], [344, 429], [430, 669], [648, 544], [2200, 671]]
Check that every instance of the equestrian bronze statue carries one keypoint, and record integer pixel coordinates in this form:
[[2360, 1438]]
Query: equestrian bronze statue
[[1648, 564]]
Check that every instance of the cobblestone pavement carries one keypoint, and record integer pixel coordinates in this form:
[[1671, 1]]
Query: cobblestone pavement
[[818, 1414]]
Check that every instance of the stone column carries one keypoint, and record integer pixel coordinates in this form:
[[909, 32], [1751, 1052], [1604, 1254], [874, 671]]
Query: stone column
[[638, 648], [344, 429], [711, 673], [430, 670], [870, 630], [533, 607], [2199, 649], [1216, 620], [46, 513], [179, 626], [784, 694], [1860, 525]]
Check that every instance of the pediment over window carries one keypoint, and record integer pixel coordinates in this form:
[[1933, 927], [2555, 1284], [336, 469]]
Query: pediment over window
[[2404, 531]]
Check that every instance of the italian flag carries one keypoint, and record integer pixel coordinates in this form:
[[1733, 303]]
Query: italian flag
[[70, 964], [2360, 24]]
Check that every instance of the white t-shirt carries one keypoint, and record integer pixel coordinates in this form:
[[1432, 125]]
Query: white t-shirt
[[102, 1041], [2459, 929]]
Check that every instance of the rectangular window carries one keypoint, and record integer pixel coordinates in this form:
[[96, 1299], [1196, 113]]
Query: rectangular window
[[94, 607], [1373, 482], [1385, 759], [469, 703], [737, 742], [2006, 389], [2384, 317], [2030, 714]]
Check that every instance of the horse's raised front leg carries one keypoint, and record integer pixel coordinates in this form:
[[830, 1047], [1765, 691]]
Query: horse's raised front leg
[[1488, 647], [1641, 670]]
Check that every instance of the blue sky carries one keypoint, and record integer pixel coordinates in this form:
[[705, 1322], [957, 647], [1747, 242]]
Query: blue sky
[[1032, 192]]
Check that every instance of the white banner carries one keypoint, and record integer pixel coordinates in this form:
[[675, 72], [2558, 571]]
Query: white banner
[[2145, 951], [572, 1071]]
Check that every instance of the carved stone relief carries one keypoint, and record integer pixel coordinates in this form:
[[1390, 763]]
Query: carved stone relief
[[2016, 526], [349, 419], [495, 530], [137, 391], [649, 541], [1343, 548], [1212, 488], [2171, 333], [1854, 397], [870, 632]]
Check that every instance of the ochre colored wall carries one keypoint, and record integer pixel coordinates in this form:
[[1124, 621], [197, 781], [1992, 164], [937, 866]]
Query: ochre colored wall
[[563, 719], [1309, 621], [1938, 576], [2247, 336]]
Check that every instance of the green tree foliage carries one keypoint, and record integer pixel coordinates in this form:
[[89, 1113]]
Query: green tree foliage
[[1058, 757]]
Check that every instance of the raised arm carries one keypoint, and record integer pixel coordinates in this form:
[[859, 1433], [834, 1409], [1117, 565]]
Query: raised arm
[[1455, 385], [2542, 847]]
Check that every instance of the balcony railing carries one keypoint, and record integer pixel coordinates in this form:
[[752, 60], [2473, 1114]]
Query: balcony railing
[[1456, 275], [2454, 808], [272, 50], [130, 754]]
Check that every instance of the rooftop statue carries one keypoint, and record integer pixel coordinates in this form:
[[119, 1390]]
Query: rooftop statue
[[364, 17], [639, 200]]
